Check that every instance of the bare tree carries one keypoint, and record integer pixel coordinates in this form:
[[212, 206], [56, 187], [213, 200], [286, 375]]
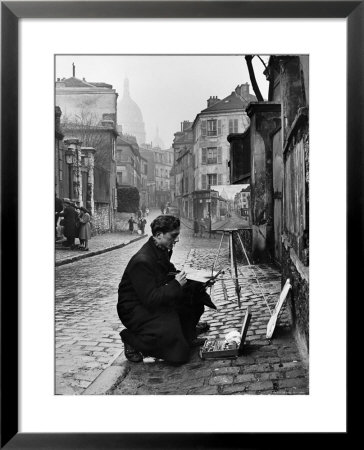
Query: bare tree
[[248, 59], [88, 129]]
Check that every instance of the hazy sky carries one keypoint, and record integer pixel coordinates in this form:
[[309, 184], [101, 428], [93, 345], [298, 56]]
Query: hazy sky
[[168, 89]]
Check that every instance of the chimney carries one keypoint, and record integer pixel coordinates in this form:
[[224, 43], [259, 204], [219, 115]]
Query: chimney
[[186, 124], [212, 100], [73, 70], [242, 89]]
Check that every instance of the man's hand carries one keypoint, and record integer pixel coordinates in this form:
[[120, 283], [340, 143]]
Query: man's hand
[[181, 278]]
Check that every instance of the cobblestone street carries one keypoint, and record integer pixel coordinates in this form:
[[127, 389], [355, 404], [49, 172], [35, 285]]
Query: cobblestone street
[[88, 341]]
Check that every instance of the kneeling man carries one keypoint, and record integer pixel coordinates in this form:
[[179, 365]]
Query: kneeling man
[[160, 310]]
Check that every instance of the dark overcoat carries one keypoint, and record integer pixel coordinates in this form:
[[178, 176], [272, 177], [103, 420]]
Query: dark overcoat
[[159, 315], [70, 217]]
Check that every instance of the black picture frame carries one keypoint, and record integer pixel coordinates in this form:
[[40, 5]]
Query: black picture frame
[[11, 12]]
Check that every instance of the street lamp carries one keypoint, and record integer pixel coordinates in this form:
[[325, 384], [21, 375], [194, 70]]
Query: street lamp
[[70, 159]]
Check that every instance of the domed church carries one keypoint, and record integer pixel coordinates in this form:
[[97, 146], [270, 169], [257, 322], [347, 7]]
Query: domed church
[[130, 116]]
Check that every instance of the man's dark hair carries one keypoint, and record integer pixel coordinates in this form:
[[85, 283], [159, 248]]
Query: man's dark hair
[[164, 224]]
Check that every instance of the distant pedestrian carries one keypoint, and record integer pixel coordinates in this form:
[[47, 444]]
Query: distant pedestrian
[[70, 216], [147, 212], [131, 222], [142, 223], [58, 208], [85, 228], [196, 228], [202, 227]]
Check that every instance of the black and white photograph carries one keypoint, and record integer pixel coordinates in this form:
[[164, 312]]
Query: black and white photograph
[[197, 166], [181, 224]]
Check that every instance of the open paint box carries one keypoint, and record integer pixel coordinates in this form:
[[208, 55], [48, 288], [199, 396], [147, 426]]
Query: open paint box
[[221, 348]]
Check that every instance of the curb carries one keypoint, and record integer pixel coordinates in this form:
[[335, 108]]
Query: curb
[[109, 378], [97, 252]]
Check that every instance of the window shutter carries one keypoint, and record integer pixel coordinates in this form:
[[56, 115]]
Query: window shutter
[[203, 128], [203, 177], [204, 156], [219, 178], [219, 155], [231, 126], [235, 125], [219, 127]]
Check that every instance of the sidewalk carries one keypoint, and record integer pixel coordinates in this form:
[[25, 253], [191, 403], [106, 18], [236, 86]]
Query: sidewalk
[[98, 244], [266, 367]]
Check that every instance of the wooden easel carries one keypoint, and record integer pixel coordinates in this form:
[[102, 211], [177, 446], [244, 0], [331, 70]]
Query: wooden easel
[[274, 315], [233, 265]]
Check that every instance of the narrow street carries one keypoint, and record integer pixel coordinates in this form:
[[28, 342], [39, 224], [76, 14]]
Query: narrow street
[[88, 341]]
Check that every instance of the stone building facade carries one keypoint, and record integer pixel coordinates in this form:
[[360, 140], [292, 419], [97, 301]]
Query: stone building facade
[[289, 85], [266, 174], [89, 125], [211, 149], [128, 162], [74, 168], [163, 163], [277, 146], [183, 170], [148, 156]]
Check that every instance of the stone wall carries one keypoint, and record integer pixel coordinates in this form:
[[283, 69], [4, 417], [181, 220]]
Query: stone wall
[[265, 118], [121, 221], [295, 237], [298, 298], [100, 221]]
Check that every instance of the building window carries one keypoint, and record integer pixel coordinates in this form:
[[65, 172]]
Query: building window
[[233, 126], [211, 155], [212, 128], [120, 178], [211, 180]]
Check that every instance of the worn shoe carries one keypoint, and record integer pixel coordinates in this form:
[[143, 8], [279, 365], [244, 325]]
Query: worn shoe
[[197, 342], [131, 354], [202, 327]]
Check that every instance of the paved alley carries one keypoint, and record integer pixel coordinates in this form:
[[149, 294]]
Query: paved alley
[[88, 341]]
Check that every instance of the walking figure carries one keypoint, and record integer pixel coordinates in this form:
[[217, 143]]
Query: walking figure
[[196, 227], [131, 222], [141, 224]]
